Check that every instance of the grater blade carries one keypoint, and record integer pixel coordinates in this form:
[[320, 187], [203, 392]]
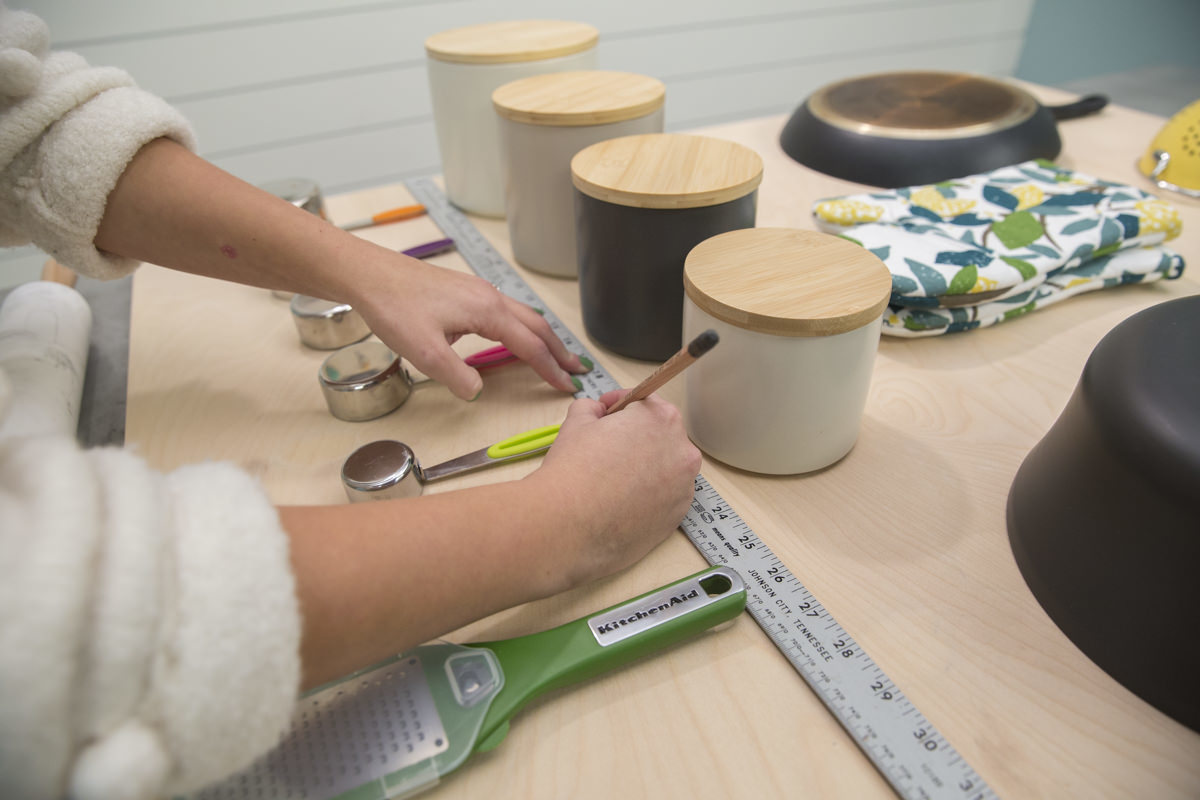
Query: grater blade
[[377, 733]]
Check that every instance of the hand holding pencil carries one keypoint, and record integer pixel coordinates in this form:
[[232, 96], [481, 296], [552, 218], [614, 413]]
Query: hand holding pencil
[[624, 480]]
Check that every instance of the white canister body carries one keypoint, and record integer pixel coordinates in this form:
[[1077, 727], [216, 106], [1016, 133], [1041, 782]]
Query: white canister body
[[778, 405], [799, 315], [467, 129], [539, 196]]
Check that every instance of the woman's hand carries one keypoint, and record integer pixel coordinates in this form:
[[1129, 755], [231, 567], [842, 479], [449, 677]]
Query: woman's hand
[[421, 309], [624, 481]]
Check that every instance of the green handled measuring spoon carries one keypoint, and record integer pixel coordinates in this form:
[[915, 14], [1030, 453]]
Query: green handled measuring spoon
[[392, 730], [523, 445]]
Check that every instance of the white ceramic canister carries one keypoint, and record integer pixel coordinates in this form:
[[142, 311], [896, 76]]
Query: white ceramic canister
[[465, 66], [544, 121], [799, 315]]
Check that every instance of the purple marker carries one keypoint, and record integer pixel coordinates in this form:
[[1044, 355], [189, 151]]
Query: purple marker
[[429, 248]]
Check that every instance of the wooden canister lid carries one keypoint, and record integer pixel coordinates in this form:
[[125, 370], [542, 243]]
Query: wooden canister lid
[[787, 282], [666, 170], [511, 41], [585, 97]]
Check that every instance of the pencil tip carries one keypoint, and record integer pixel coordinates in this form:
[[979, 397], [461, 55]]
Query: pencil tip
[[703, 343]]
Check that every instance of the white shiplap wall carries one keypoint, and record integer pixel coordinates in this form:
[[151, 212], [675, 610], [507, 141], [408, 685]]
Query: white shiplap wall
[[337, 92]]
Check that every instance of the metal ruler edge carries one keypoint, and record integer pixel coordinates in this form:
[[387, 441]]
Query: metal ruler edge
[[905, 748]]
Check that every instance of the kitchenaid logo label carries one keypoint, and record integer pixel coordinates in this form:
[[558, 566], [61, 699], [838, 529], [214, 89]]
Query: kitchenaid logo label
[[632, 618]]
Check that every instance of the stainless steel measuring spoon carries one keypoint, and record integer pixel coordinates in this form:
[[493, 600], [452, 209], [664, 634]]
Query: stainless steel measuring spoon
[[387, 469]]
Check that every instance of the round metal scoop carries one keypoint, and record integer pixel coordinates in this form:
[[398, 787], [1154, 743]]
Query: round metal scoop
[[364, 381], [325, 324], [387, 469], [367, 380]]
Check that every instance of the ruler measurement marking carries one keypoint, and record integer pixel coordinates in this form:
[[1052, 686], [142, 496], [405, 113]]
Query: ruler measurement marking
[[885, 735]]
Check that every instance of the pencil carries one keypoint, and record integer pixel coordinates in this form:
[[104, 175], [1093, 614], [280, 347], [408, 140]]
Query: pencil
[[392, 215], [670, 368]]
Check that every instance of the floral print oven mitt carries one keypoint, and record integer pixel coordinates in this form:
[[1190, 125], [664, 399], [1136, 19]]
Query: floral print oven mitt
[[979, 250]]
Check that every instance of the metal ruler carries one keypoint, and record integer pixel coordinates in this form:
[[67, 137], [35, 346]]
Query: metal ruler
[[914, 758]]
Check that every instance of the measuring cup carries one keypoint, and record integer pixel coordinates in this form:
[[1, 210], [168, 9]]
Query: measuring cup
[[325, 324], [367, 380], [387, 469]]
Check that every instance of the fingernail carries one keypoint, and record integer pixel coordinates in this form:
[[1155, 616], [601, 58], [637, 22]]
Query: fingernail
[[587, 363], [578, 384], [541, 311], [477, 395]]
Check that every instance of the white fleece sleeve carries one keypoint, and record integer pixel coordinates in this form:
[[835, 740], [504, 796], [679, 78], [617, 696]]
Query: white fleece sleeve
[[67, 132], [149, 628]]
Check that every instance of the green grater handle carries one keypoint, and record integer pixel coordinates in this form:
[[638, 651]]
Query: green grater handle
[[606, 640]]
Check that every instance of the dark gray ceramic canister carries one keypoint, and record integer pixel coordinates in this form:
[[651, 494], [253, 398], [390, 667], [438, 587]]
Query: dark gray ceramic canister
[[641, 204]]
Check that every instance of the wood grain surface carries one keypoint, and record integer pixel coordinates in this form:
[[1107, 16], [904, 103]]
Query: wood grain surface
[[903, 540], [787, 281], [580, 97], [510, 41], [667, 170]]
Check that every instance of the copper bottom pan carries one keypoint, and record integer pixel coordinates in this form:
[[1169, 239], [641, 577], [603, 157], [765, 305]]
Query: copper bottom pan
[[907, 128]]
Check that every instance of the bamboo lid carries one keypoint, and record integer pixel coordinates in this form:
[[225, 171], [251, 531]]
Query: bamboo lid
[[666, 170], [787, 282], [586, 97], [511, 41]]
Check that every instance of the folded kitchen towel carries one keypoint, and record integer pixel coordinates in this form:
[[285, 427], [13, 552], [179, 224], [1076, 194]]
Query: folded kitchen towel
[[975, 251]]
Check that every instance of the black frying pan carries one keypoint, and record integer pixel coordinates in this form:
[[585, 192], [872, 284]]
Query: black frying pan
[[907, 128]]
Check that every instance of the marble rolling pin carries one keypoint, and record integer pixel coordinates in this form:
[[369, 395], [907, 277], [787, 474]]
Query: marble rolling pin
[[45, 328]]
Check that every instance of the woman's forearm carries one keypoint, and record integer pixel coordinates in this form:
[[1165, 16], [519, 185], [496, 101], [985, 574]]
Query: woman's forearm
[[376, 578], [173, 208]]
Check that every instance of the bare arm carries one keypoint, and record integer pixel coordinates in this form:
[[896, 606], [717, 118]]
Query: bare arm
[[175, 209], [377, 578]]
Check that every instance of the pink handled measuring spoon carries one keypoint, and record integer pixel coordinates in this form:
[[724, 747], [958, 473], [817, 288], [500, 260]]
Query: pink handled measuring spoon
[[491, 357]]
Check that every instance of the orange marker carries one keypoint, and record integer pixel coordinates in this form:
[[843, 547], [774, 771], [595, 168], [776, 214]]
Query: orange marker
[[392, 215]]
